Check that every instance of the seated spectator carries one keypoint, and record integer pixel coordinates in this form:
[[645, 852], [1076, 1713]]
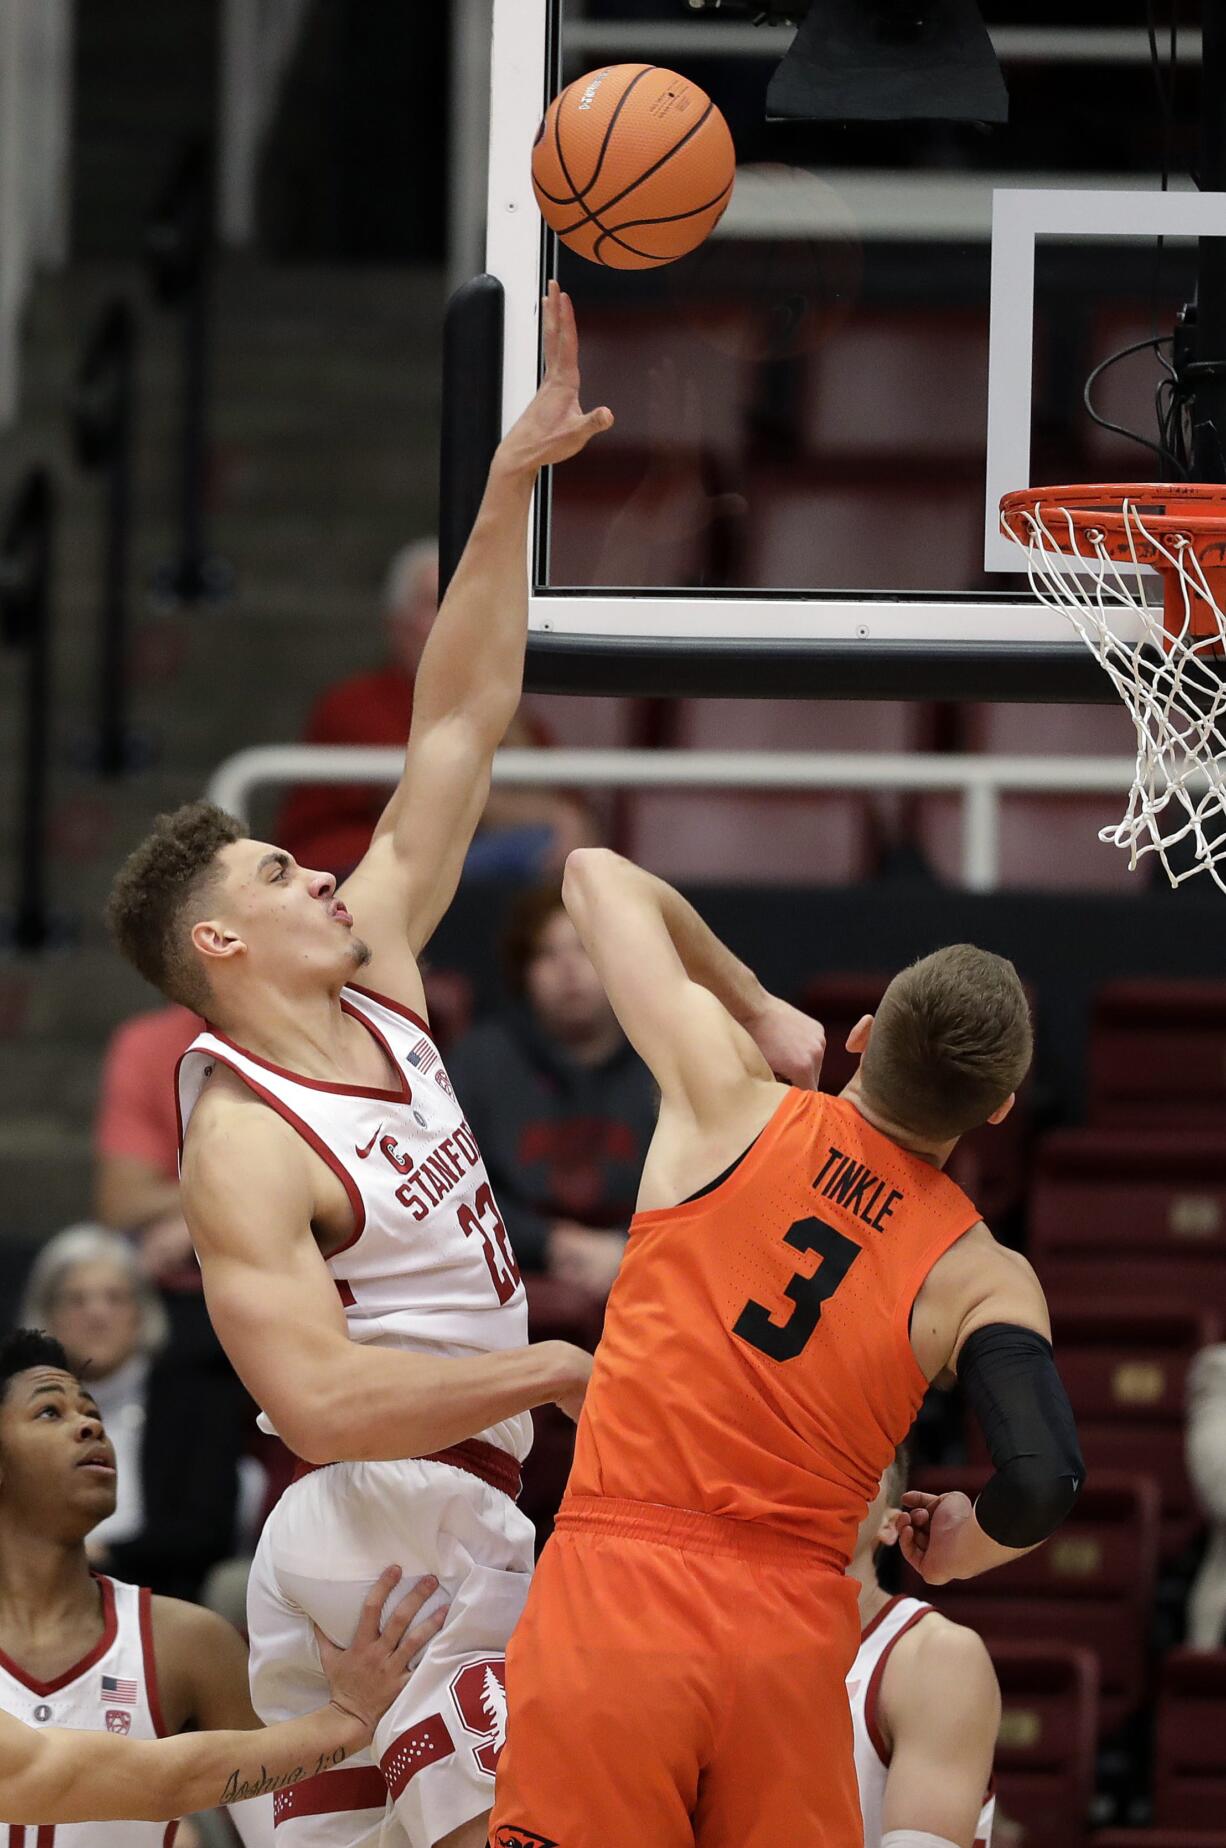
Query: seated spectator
[[524, 832], [561, 1104], [1206, 1454], [136, 1143], [178, 1424]]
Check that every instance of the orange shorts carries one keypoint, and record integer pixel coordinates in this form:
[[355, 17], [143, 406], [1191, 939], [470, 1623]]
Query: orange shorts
[[679, 1679]]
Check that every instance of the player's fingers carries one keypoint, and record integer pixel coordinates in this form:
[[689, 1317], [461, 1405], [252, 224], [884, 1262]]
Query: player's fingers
[[599, 420], [919, 1498], [408, 1608], [420, 1634], [373, 1602], [910, 1548], [568, 336]]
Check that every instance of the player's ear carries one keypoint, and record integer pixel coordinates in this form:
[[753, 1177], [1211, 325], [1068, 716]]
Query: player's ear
[[1002, 1111], [858, 1038], [891, 1526], [215, 942]]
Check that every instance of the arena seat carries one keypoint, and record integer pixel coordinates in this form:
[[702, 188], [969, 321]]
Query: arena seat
[[1157, 1054], [1129, 1213], [808, 529], [1158, 1838], [899, 387], [1125, 1367], [782, 838], [613, 523], [990, 1163], [1043, 1772], [686, 375], [1091, 1585], [1047, 842], [1190, 1740]]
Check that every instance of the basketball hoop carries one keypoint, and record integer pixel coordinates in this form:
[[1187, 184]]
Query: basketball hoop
[[1169, 667]]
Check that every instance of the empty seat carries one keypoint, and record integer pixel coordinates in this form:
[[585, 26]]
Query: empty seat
[[678, 377], [1158, 1054], [1190, 1741], [612, 524], [1131, 1213], [1043, 1772], [879, 532], [799, 838], [1125, 1368], [1047, 842], [990, 1163], [1090, 1585], [903, 387], [1159, 1838]]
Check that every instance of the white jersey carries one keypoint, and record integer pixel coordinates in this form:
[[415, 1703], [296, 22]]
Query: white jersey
[[863, 1690], [113, 1688], [429, 1265]]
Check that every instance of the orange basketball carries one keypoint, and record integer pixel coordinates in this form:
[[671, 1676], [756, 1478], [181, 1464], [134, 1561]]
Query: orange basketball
[[633, 166]]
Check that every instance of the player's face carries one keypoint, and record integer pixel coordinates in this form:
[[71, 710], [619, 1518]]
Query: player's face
[[286, 919], [564, 990], [57, 1468], [96, 1314]]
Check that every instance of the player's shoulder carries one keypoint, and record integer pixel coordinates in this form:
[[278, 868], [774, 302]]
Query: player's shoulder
[[978, 1259], [937, 1659], [231, 1129], [180, 1628]]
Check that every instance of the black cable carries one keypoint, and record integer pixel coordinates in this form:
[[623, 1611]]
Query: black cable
[[1160, 449]]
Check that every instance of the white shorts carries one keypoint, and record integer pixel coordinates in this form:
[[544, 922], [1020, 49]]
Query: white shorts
[[431, 1766]]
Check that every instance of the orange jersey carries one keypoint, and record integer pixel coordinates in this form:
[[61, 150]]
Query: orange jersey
[[756, 1360]]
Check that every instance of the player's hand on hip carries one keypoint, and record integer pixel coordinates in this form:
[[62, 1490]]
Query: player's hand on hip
[[365, 1679], [555, 425], [932, 1534], [576, 1371], [793, 1044]]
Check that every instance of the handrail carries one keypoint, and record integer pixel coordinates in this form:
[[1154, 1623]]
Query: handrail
[[980, 780], [103, 415], [26, 546]]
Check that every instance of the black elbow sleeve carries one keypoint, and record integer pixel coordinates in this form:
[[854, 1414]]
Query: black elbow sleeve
[[1015, 1392]]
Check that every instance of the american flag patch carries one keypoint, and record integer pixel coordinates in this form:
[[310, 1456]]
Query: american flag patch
[[423, 1056], [118, 1692]]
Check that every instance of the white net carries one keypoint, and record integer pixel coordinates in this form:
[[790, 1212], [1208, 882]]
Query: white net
[[1169, 668]]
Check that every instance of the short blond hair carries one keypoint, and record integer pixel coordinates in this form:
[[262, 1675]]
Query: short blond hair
[[951, 1040]]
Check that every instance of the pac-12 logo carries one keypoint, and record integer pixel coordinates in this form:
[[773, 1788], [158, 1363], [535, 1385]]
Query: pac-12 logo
[[117, 1721], [479, 1692], [510, 1836]]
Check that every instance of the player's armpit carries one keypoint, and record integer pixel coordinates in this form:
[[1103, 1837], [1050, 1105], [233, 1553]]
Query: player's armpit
[[941, 1705], [697, 1053]]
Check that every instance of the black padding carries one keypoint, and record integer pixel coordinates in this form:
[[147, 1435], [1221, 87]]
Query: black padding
[[1017, 1395]]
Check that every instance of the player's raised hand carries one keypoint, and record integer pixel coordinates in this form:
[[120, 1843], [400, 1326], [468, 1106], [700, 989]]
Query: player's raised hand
[[365, 1678], [932, 1534], [555, 426], [793, 1044]]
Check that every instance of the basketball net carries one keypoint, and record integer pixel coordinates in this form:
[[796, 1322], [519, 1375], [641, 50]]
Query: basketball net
[[1171, 670]]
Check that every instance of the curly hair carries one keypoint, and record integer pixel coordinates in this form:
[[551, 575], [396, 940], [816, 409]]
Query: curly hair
[[26, 1348], [951, 1039], [160, 891]]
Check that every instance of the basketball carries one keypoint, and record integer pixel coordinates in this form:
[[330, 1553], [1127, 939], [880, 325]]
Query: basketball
[[633, 166]]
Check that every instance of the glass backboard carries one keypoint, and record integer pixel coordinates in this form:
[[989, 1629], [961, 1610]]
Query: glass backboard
[[893, 324]]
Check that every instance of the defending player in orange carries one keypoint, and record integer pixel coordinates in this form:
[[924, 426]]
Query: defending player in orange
[[799, 1271]]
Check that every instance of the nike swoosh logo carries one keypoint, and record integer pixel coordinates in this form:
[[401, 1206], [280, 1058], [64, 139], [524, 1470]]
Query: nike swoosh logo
[[363, 1153]]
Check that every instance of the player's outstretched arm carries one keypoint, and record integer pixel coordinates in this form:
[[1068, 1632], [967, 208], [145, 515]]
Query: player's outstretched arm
[[700, 1019], [49, 1777], [274, 1306], [982, 1315], [940, 1703], [469, 683]]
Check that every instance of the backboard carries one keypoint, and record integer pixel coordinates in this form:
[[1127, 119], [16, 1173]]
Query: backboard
[[818, 411]]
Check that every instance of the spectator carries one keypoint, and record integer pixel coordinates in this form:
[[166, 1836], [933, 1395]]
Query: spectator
[[136, 1143], [1206, 1453], [178, 1423], [561, 1104], [524, 832]]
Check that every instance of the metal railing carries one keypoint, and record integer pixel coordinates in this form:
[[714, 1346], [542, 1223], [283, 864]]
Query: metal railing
[[35, 125], [981, 781]]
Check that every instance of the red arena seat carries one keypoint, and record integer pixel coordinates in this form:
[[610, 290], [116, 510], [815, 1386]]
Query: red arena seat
[[1190, 1740], [1091, 1585], [1158, 1054], [1044, 1766]]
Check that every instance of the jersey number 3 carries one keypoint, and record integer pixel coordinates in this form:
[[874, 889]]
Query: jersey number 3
[[784, 1341]]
